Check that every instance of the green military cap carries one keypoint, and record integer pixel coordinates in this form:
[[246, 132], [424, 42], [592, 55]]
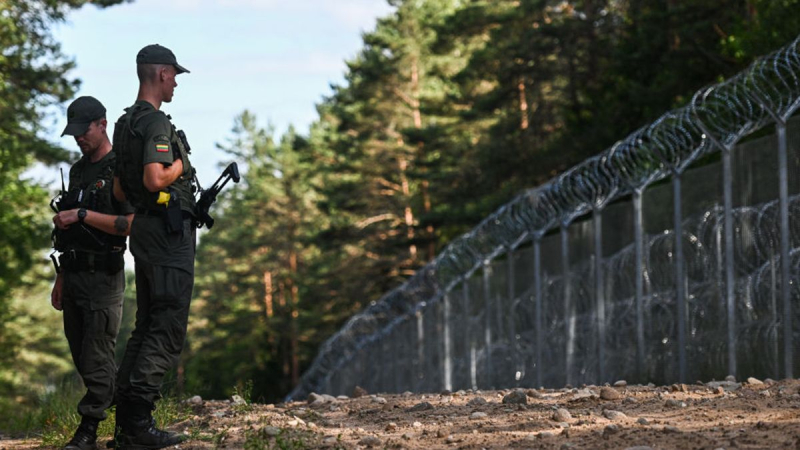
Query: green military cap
[[82, 112], [157, 54]]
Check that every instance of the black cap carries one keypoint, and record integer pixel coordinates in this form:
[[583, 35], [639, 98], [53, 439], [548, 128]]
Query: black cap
[[157, 54], [82, 112]]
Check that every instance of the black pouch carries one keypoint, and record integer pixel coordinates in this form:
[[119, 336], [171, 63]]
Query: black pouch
[[115, 262], [173, 217]]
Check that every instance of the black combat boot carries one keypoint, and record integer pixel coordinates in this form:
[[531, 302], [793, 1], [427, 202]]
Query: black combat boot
[[138, 430], [85, 437]]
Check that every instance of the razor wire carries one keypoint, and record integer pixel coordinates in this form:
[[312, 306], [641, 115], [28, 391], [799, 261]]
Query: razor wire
[[450, 324]]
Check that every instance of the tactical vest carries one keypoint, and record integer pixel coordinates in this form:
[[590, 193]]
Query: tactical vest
[[94, 195], [129, 145]]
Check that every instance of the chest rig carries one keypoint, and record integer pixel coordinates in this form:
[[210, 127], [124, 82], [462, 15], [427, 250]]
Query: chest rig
[[129, 144], [80, 242]]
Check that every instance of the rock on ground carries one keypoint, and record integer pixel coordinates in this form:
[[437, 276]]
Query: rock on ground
[[516, 397], [562, 415], [607, 393]]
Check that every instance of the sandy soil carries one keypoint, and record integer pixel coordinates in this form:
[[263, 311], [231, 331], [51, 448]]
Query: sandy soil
[[713, 415]]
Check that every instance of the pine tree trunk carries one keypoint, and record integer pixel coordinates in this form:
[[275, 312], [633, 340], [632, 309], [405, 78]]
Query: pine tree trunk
[[408, 214], [674, 37], [523, 105], [268, 294]]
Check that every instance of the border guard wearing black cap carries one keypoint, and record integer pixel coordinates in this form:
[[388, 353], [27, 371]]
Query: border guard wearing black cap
[[157, 178], [91, 229]]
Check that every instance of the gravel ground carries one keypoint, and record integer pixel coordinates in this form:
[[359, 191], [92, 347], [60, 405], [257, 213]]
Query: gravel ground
[[714, 415]]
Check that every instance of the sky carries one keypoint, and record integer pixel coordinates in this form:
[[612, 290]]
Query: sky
[[275, 58]]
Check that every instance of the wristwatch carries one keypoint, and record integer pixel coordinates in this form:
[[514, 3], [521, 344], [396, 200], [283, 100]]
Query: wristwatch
[[81, 215]]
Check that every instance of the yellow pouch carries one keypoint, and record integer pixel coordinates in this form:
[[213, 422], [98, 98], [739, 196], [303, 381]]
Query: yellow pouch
[[163, 198]]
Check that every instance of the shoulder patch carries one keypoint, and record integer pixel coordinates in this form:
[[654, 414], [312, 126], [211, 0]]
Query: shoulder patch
[[161, 138]]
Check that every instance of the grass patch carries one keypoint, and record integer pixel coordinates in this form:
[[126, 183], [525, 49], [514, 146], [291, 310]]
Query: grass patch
[[51, 414], [245, 391], [55, 417], [219, 438], [285, 440], [170, 410]]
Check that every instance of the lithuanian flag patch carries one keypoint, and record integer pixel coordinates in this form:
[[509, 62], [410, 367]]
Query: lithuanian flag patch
[[162, 147]]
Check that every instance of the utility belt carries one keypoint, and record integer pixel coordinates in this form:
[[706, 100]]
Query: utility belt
[[78, 261], [162, 213], [173, 217]]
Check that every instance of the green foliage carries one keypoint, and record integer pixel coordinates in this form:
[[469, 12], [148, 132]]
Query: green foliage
[[54, 418], [41, 359], [250, 301], [169, 410], [285, 440], [52, 411], [245, 391], [128, 314], [218, 439], [768, 23], [33, 77], [448, 110], [40, 388]]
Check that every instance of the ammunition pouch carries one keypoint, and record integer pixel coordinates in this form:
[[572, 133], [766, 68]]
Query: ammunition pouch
[[77, 261], [173, 216]]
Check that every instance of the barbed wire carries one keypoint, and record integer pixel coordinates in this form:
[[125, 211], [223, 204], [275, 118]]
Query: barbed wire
[[716, 118]]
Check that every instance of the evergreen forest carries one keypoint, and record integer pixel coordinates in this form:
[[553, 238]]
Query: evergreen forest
[[449, 108]]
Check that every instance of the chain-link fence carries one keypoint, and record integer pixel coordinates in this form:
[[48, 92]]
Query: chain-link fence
[[674, 255]]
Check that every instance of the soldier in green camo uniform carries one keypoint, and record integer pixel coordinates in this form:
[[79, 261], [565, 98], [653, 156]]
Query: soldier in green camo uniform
[[91, 229], [156, 177]]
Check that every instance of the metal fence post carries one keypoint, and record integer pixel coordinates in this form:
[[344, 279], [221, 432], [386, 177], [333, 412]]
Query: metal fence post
[[730, 279], [398, 363], [786, 295], [638, 233], [600, 303], [470, 344], [512, 326], [448, 363], [538, 320], [680, 281], [569, 308], [420, 374], [783, 205], [488, 310], [729, 275]]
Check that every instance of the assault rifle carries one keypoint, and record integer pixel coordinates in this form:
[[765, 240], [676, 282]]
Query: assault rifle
[[209, 196]]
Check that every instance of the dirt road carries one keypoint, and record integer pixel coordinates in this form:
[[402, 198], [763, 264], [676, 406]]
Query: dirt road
[[713, 415]]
